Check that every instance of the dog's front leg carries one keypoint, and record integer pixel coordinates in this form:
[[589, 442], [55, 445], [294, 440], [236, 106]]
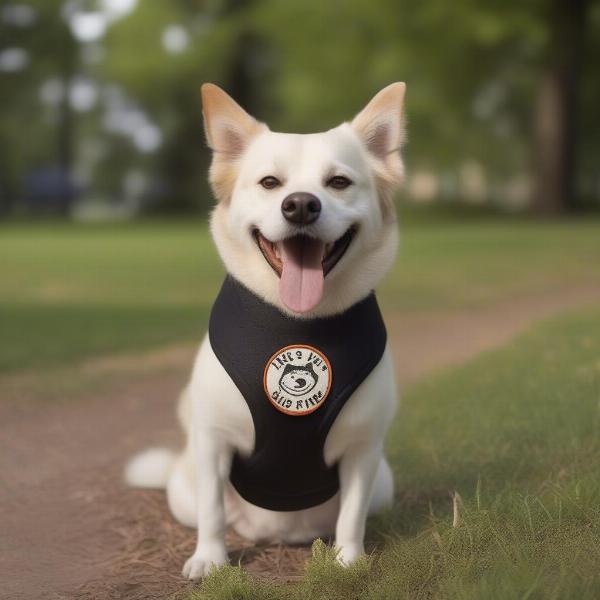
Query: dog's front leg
[[213, 460], [357, 469]]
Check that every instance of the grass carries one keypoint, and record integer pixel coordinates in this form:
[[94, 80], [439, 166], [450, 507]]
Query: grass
[[516, 433], [57, 334], [69, 292]]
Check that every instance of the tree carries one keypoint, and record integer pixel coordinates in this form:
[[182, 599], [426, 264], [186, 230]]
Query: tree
[[555, 127], [473, 70], [220, 46], [26, 138]]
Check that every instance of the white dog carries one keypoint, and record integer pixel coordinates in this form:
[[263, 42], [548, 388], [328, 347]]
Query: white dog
[[306, 228]]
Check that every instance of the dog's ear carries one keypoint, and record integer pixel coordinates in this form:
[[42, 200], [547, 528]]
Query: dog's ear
[[229, 129], [380, 126], [287, 369], [228, 126]]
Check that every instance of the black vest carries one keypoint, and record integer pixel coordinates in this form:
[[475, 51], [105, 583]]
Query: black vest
[[296, 375]]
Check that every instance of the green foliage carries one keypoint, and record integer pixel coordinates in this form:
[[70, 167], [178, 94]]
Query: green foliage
[[222, 40], [517, 434], [447, 53], [27, 135], [472, 68]]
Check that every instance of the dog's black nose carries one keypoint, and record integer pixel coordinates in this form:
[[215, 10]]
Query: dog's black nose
[[301, 208]]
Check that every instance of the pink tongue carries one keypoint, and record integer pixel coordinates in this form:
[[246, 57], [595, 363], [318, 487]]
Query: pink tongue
[[301, 283]]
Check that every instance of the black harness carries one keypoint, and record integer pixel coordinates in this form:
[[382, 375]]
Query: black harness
[[295, 375]]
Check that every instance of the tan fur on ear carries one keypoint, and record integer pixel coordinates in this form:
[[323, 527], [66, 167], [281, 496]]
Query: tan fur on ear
[[229, 129], [380, 126]]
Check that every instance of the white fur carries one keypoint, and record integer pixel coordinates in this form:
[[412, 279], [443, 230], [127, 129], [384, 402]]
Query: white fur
[[307, 158], [212, 411]]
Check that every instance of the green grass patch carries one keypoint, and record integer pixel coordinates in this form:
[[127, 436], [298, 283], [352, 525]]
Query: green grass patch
[[473, 262], [60, 334], [136, 264], [92, 280], [71, 292], [517, 434]]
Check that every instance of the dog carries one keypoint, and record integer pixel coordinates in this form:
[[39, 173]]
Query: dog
[[305, 225]]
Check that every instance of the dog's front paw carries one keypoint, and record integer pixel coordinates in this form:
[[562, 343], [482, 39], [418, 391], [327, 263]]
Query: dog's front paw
[[204, 559], [348, 553]]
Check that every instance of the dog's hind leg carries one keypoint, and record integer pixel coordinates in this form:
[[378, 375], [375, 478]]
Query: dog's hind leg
[[181, 493], [382, 495], [181, 489]]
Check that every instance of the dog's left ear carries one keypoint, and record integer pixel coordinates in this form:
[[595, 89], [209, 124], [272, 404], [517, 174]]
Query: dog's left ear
[[380, 124]]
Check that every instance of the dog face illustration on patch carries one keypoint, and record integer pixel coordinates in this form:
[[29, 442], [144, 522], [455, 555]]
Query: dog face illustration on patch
[[297, 379]]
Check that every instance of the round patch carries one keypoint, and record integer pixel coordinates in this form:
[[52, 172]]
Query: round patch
[[297, 379]]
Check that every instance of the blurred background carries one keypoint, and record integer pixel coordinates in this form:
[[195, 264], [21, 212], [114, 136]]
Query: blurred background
[[101, 116], [108, 271]]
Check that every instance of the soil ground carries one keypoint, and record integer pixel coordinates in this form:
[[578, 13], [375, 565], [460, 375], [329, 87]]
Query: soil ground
[[72, 529]]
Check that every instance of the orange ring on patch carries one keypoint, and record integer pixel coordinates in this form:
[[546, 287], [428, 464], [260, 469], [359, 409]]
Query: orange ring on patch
[[325, 395]]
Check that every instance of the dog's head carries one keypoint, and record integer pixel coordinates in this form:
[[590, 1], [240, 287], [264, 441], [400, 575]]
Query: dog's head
[[306, 222], [298, 380]]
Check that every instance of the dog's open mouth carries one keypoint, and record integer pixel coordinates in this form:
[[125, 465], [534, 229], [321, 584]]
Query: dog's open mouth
[[302, 262]]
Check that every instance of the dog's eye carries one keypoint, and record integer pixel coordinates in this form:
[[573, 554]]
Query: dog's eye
[[339, 182], [269, 182]]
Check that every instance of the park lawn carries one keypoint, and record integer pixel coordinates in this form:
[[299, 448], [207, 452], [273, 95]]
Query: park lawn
[[69, 292], [516, 432]]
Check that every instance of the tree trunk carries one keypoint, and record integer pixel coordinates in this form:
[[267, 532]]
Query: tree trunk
[[554, 147], [66, 125]]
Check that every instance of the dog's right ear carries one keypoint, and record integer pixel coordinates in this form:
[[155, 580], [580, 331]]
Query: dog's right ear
[[228, 126], [380, 123], [380, 127], [229, 129]]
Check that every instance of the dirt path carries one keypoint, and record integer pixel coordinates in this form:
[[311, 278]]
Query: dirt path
[[70, 529]]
